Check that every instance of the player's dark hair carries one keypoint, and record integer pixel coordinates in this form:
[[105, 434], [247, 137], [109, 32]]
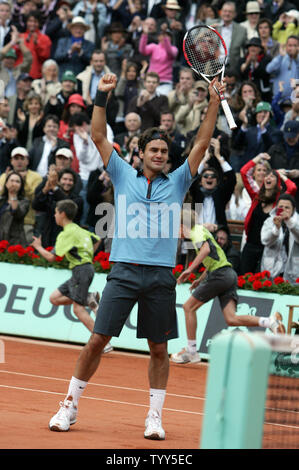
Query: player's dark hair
[[152, 134], [69, 207]]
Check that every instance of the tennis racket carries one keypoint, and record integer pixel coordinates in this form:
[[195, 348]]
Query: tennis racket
[[206, 53]]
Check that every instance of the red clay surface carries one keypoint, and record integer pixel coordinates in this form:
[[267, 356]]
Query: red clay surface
[[112, 410]]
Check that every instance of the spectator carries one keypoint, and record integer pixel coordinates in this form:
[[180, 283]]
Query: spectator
[[255, 139], [287, 25], [128, 86], [5, 22], [136, 29], [236, 208], [172, 20], [211, 190], [55, 187], [74, 53], [9, 71], [253, 67], [99, 190], [180, 94], [7, 144], [188, 116], [20, 13], [132, 127], [75, 104], [94, 15], [263, 201], [4, 109], [149, 104], [90, 77], [124, 11], [43, 148], [256, 176], [56, 103], [253, 12], [285, 154], [116, 48], [273, 10], [223, 238], [293, 113], [131, 149], [19, 164], [280, 237], [63, 160], [13, 208], [234, 35], [30, 121], [281, 107], [86, 152], [178, 140], [38, 43], [285, 66], [162, 57], [264, 28], [49, 84], [16, 102], [57, 25]]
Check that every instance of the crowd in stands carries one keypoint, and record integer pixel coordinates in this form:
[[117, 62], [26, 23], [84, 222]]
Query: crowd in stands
[[52, 56]]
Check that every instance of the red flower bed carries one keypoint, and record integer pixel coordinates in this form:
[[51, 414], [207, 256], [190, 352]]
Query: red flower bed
[[258, 282]]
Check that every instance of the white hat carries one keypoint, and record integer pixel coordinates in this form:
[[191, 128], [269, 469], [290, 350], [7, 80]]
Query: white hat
[[172, 5], [78, 20], [19, 151], [64, 152], [293, 13], [252, 7]]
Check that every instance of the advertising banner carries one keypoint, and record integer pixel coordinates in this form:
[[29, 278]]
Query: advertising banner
[[25, 310]]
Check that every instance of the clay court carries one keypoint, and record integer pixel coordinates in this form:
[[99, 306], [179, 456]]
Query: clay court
[[35, 377]]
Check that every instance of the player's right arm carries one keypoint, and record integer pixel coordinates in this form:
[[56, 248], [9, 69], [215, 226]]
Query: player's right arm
[[201, 255], [98, 122], [37, 244]]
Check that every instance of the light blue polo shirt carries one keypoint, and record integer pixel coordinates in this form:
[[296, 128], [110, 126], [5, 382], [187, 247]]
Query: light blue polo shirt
[[147, 214]]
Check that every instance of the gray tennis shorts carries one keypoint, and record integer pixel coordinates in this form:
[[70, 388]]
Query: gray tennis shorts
[[76, 288], [152, 288], [221, 283]]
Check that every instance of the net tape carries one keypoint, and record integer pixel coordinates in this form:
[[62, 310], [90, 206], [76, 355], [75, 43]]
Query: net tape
[[205, 51]]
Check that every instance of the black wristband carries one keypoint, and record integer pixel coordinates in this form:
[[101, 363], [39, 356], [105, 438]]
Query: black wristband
[[101, 98]]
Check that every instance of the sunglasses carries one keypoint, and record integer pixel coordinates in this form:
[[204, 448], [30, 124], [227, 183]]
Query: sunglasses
[[209, 175]]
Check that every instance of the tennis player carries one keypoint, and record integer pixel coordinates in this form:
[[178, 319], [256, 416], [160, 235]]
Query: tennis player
[[143, 255], [220, 281], [78, 246]]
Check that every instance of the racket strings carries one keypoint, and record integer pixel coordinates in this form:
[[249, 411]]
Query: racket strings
[[205, 51]]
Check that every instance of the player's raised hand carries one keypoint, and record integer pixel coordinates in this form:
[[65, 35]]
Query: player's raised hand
[[107, 82], [219, 86]]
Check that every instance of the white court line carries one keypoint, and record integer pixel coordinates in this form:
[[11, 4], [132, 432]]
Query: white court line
[[98, 385], [98, 399]]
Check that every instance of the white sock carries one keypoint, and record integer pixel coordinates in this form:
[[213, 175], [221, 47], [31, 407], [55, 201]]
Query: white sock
[[192, 346], [264, 322], [157, 397], [76, 388]]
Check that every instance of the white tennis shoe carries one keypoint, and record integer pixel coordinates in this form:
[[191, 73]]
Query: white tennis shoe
[[153, 427], [184, 357], [66, 416]]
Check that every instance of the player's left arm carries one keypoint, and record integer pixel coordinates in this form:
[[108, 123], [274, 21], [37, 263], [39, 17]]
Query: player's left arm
[[206, 130]]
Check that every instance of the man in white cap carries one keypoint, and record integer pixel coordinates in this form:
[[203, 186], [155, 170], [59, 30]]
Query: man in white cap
[[253, 12], [19, 162], [74, 52]]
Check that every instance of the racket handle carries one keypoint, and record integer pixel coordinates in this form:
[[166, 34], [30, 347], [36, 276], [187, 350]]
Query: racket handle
[[228, 114]]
